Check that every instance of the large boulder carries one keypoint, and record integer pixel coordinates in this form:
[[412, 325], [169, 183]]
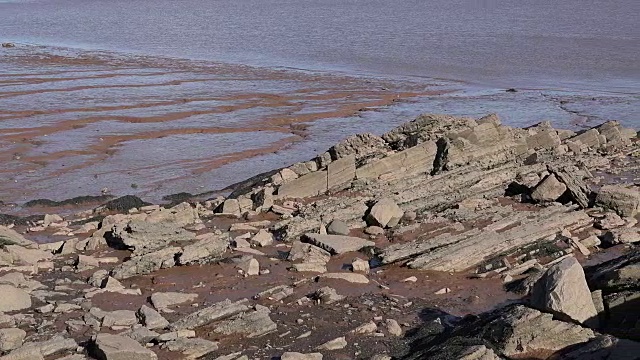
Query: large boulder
[[563, 290], [13, 299], [10, 237], [143, 236], [209, 249], [620, 199], [548, 190], [115, 347], [385, 213]]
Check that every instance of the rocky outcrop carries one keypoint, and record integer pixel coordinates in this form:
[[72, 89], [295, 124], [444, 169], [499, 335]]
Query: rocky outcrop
[[462, 251], [512, 332], [618, 282]]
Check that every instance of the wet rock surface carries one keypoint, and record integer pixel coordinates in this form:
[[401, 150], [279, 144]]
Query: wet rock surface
[[447, 238]]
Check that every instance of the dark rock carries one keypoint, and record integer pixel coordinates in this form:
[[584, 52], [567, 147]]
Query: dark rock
[[78, 200], [179, 197], [125, 203]]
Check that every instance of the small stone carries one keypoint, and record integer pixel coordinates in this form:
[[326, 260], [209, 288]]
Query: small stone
[[249, 266], [374, 230], [410, 279], [338, 227], [548, 190], [262, 238], [393, 327], [327, 295], [366, 328], [443, 291], [410, 216], [335, 344], [591, 241], [151, 318], [359, 265], [231, 207], [563, 290], [385, 213]]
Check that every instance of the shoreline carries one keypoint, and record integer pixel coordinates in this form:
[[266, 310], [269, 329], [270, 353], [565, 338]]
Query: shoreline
[[42, 160]]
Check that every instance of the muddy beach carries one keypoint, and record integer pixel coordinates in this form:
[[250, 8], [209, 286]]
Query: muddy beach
[[153, 126]]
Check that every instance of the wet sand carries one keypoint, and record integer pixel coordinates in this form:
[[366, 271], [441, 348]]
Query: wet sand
[[77, 122], [84, 122]]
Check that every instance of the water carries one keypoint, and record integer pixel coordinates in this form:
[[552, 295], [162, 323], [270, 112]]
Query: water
[[583, 44]]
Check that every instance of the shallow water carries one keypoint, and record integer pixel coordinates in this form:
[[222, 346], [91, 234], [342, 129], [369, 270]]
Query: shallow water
[[587, 44]]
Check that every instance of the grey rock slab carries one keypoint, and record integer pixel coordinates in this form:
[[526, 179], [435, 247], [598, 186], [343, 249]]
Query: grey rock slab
[[622, 200], [300, 356], [146, 263], [349, 277], [251, 324], [206, 250], [337, 244], [119, 318], [115, 347], [338, 227], [9, 236], [151, 318], [218, 311], [13, 299], [163, 300], [191, 348], [11, 338], [335, 344]]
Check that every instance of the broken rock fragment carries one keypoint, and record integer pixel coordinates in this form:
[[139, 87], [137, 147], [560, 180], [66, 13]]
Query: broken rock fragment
[[548, 190], [385, 213]]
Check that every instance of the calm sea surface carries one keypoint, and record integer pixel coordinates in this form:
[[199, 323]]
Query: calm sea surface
[[580, 44]]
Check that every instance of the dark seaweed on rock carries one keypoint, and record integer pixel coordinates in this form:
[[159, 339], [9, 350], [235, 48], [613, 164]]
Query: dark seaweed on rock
[[179, 197], [79, 200], [6, 219], [125, 203]]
